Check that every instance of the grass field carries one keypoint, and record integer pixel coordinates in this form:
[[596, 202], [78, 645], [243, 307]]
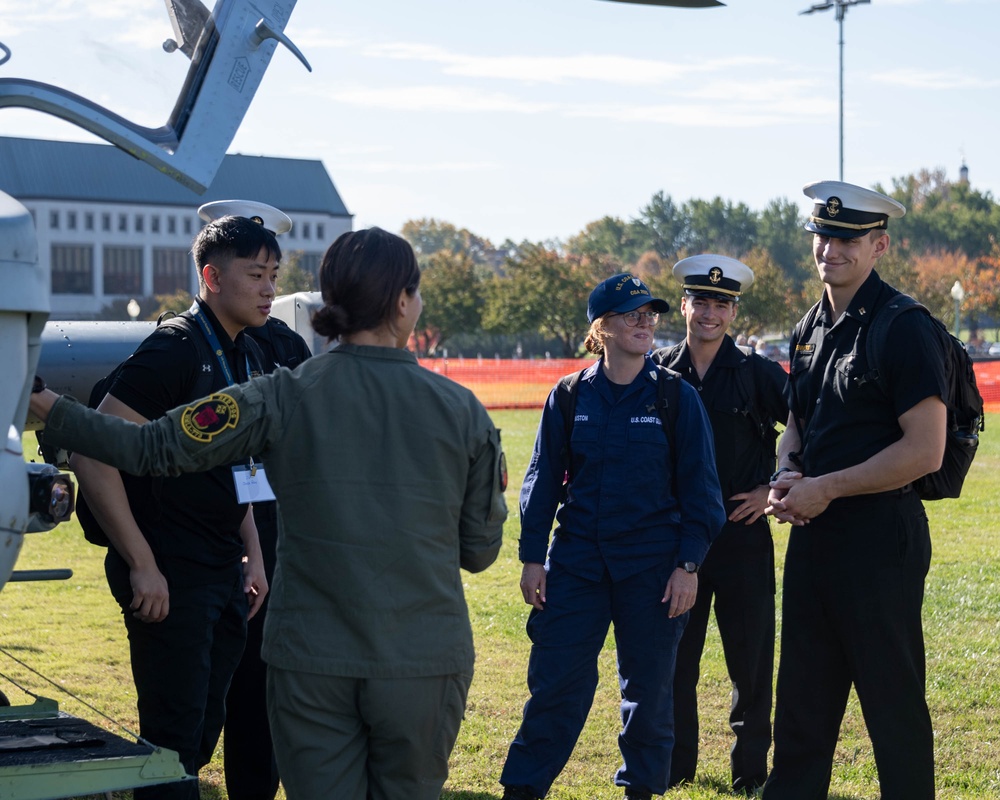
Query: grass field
[[70, 631]]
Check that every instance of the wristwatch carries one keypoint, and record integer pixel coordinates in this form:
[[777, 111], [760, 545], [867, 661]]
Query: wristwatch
[[778, 471], [39, 385], [689, 567]]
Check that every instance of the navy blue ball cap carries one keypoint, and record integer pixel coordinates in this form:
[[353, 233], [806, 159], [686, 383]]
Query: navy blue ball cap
[[622, 293]]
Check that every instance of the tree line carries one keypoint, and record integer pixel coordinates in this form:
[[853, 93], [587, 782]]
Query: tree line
[[529, 298], [478, 295]]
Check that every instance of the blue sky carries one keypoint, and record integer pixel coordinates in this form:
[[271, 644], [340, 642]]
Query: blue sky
[[527, 119]]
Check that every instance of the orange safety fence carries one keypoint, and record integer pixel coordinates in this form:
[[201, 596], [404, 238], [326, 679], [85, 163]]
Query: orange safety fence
[[525, 383]]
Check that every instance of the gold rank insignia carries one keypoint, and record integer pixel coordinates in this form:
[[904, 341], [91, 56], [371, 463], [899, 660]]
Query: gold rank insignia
[[805, 348], [210, 417]]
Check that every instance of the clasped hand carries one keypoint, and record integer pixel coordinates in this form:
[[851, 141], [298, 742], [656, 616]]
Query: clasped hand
[[796, 499]]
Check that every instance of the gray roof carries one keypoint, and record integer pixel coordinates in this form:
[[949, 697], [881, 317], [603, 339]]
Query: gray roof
[[37, 169]]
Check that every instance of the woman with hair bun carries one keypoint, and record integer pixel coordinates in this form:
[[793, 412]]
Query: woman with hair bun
[[389, 479]]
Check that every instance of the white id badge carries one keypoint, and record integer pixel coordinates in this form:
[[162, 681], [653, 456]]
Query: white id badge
[[251, 484]]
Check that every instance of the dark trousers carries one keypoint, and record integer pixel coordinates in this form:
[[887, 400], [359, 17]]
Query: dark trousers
[[250, 765], [567, 637], [182, 667], [739, 573], [853, 591]]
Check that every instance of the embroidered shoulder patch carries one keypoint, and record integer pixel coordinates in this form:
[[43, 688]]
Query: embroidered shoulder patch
[[207, 419]]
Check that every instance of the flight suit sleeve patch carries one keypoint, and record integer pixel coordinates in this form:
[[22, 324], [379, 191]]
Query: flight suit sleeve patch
[[498, 504], [209, 417]]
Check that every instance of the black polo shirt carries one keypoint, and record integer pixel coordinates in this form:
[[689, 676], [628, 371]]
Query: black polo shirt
[[192, 521], [847, 420], [733, 398]]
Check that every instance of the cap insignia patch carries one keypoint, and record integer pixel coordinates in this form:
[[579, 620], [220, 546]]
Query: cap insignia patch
[[210, 417], [715, 275], [833, 206]]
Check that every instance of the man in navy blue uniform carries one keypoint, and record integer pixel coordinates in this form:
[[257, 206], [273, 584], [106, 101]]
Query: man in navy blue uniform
[[633, 525], [859, 548], [743, 395]]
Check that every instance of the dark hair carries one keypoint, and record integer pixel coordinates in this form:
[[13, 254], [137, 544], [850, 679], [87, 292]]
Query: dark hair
[[224, 239], [360, 278]]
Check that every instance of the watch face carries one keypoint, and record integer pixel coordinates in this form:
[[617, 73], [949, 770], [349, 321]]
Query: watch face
[[688, 566]]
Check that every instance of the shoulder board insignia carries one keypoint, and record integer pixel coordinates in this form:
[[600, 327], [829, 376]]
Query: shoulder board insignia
[[210, 417]]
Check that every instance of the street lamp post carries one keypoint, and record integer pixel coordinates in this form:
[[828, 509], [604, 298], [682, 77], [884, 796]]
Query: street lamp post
[[840, 7], [958, 295]]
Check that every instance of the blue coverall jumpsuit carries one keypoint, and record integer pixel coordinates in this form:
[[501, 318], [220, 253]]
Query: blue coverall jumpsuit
[[620, 534]]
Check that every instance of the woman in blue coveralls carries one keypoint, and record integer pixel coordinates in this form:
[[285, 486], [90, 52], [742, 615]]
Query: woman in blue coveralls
[[629, 538]]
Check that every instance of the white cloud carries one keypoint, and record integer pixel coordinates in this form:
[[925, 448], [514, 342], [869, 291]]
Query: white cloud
[[623, 70], [916, 79], [407, 167], [435, 98]]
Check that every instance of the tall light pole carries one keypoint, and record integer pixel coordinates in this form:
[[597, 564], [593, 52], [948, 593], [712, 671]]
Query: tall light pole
[[840, 7]]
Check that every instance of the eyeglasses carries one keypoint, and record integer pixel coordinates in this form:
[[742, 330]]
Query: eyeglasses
[[632, 317]]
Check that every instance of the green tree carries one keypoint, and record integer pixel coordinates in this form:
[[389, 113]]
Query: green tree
[[610, 242], [773, 303], [292, 276], [718, 226], [781, 235], [429, 236], [664, 226], [942, 216], [176, 302], [542, 292], [453, 299]]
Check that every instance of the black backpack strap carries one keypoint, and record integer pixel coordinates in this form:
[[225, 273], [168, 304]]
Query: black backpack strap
[[878, 334], [566, 392], [668, 404]]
